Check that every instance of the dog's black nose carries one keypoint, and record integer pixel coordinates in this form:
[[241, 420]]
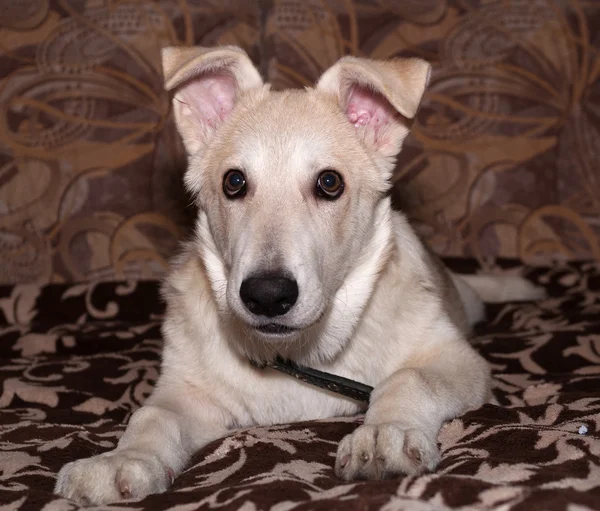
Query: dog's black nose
[[269, 295]]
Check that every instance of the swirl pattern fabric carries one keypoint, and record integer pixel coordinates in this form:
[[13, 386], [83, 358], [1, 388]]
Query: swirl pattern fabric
[[502, 160], [90, 164]]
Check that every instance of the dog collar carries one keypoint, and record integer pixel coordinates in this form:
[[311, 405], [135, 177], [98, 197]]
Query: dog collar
[[338, 384]]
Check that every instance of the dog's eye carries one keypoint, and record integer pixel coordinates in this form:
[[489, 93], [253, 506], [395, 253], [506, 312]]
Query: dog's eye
[[330, 185], [234, 184]]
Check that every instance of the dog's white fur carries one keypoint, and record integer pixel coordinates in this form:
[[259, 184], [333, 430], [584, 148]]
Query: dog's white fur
[[374, 304]]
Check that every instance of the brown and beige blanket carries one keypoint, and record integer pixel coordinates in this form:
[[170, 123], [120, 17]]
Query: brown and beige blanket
[[77, 359]]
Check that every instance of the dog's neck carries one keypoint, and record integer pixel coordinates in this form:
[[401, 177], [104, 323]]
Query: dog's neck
[[323, 342]]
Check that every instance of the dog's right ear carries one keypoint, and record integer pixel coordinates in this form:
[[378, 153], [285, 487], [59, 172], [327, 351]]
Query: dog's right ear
[[207, 83]]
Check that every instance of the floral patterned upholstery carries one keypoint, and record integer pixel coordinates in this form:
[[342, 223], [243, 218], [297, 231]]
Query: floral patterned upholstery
[[78, 359]]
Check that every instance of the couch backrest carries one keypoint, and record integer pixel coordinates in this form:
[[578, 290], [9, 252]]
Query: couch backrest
[[91, 167], [502, 160], [504, 157]]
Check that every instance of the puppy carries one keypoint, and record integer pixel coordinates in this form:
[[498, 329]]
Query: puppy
[[299, 254]]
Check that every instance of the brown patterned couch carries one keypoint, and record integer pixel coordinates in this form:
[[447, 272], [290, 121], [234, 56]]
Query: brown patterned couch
[[500, 171]]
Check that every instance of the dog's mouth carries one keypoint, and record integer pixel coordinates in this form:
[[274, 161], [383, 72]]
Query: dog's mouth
[[275, 329], [279, 330]]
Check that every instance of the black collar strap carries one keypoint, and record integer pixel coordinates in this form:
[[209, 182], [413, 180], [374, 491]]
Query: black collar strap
[[344, 386]]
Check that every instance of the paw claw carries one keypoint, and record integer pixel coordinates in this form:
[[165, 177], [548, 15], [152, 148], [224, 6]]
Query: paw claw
[[414, 454], [125, 489], [112, 477], [384, 450]]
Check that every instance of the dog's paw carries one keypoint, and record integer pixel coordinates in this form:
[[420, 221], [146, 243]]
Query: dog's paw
[[385, 450], [113, 476]]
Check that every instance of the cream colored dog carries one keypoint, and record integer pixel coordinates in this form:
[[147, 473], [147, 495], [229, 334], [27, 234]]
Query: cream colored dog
[[298, 253]]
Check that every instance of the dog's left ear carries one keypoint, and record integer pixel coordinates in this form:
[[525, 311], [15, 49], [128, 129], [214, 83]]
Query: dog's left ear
[[378, 97]]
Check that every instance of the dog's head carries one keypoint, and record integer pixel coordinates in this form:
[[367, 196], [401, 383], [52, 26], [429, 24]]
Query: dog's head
[[291, 186]]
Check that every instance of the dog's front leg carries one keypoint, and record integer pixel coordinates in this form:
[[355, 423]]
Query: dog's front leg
[[158, 443], [407, 410]]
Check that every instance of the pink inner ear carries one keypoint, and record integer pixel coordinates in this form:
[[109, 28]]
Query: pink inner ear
[[367, 108], [208, 99]]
